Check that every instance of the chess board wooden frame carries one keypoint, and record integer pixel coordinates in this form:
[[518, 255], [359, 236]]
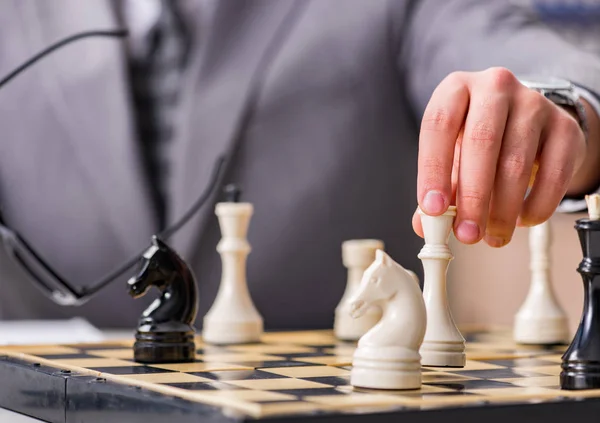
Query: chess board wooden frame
[[289, 377]]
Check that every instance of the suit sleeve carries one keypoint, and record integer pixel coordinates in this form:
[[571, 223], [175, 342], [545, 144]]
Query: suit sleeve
[[439, 37]]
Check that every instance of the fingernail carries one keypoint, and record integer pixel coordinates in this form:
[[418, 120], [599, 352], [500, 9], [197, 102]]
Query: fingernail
[[523, 223], [434, 203], [467, 231], [495, 241]]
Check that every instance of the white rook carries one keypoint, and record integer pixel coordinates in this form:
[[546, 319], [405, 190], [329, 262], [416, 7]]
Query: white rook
[[443, 344], [540, 320], [233, 318], [357, 255]]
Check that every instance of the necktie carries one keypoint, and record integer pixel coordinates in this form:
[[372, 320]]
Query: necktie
[[155, 80]]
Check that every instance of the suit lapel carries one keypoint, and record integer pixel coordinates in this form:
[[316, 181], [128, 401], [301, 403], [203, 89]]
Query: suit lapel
[[87, 85], [234, 46]]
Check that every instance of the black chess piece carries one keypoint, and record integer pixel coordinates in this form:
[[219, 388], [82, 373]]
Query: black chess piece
[[232, 193], [581, 361], [165, 333]]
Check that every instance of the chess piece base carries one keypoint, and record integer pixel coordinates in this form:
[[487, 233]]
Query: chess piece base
[[164, 347], [226, 333], [543, 331], [579, 375], [348, 329], [443, 354], [394, 368]]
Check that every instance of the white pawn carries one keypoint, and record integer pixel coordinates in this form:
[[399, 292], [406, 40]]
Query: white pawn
[[233, 318], [443, 345], [357, 255], [540, 320], [387, 356]]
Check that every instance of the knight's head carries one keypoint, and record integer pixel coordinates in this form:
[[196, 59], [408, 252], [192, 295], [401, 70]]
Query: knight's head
[[379, 283], [156, 267]]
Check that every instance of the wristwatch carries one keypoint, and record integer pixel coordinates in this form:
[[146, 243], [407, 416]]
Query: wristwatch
[[562, 93]]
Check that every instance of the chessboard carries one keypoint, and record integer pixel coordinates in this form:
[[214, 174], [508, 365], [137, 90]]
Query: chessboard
[[288, 376]]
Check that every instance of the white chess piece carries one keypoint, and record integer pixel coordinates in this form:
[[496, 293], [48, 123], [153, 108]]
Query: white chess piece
[[540, 320], [443, 344], [387, 356], [357, 255], [593, 204], [233, 318]]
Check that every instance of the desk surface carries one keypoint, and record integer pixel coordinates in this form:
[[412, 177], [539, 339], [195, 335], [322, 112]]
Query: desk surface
[[7, 416]]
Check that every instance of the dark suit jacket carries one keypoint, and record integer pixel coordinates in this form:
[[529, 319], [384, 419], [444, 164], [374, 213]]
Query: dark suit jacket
[[318, 99]]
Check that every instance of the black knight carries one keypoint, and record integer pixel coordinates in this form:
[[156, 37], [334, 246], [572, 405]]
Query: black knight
[[165, 333]]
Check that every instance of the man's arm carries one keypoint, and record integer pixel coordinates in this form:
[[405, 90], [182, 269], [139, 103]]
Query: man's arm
[[483, 132]]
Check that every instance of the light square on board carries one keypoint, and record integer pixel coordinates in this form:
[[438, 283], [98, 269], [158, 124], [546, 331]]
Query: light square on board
[[308, 371], [341, 349], [172, 377], [553, 370], [236, 357], [42, 350], [324, 337], [354, 400], [331, 360], [473, 384], [431, 377], [518, 393], [499, 374], [95, 362], [251, 395], [238, 375], [527, 362], [555, 358], [472, 365], [277, 384], [202, 367], [541, 381], [497, 355], [122, 353], [273, 349], [331, 380]]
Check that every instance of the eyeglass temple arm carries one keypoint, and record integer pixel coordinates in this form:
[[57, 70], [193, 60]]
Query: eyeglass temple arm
[[213, 182], [109, 33], [88, 292], [164, 234]]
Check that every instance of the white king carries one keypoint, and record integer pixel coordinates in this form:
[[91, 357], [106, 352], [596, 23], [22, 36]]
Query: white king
[[233, 318]]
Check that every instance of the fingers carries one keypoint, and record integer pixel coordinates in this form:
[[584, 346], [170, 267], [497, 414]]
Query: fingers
[[484, 131], [441, 124], [515, 162], [562, 142], [416, 223], [482, 136]]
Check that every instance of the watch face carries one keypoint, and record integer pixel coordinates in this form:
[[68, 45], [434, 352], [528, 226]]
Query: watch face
[[546, 83]]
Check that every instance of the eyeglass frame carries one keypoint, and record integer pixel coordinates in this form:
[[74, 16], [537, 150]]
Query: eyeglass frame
[[41, 273]]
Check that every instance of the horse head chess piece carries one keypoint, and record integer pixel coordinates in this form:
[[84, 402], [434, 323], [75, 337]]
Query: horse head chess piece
[[165, 332], [387, 356]]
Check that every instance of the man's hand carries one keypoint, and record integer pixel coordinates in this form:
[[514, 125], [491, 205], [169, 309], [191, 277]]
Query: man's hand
[[483, 136]]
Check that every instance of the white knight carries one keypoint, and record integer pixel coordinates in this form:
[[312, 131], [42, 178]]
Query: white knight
[[387, 356]]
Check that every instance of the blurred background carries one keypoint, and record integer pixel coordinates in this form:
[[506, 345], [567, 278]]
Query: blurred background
[[486, 286]]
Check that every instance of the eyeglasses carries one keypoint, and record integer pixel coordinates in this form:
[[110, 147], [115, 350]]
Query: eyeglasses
[[48, 280]]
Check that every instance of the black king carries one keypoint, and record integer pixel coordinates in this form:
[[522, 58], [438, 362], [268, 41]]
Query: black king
[[581, 362]]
